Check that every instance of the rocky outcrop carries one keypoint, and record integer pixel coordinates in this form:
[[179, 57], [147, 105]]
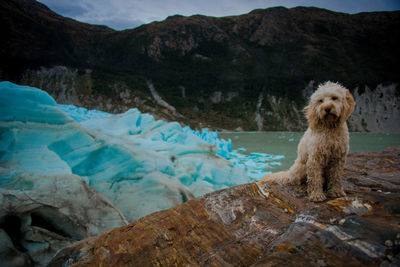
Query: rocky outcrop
[[167, 107], [377, 109], [42, 214], [281, 113], [264, 224], [58, 81], [259, 119]]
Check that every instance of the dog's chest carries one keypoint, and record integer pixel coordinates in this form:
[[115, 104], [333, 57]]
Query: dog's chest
[[332, 146], [328, 146]]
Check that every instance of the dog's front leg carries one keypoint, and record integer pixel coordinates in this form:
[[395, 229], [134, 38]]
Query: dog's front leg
[[334, 175], [314, 179]]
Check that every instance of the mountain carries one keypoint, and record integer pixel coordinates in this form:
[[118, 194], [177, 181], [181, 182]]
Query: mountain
[[250, 72]]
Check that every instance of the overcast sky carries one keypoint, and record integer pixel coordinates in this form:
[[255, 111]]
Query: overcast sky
[[123, 14]]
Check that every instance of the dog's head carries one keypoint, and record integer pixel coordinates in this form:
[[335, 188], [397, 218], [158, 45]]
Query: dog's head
[[329, 106]]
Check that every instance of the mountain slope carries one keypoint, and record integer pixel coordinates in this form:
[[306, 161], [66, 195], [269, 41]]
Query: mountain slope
[[218, 72], [34, 36]]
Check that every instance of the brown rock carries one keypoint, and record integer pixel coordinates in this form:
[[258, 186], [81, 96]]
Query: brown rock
[[265, 225]]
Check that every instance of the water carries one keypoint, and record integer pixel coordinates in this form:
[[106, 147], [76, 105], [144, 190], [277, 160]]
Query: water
[[285, 143]]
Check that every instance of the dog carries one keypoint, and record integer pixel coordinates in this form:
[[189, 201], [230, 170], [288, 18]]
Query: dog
[[323, 149]]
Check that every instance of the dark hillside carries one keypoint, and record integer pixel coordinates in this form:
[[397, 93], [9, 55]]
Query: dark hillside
[[214, 71]]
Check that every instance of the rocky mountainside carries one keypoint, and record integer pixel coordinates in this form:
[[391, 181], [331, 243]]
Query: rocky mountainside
[[251, 72], [264, 225]]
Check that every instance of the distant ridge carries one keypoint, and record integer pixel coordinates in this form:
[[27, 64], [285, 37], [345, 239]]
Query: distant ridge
[[278, 51]]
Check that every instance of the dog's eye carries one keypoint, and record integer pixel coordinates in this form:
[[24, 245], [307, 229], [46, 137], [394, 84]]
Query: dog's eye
[[334, 98], [320, 101]]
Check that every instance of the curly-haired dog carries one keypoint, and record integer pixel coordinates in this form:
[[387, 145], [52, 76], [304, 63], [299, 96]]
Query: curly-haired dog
[[323, 149]]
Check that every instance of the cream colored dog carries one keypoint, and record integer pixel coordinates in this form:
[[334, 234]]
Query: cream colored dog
[[323, 149]]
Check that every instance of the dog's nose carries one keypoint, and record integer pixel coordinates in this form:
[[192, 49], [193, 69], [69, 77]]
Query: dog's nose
[[327, 110]]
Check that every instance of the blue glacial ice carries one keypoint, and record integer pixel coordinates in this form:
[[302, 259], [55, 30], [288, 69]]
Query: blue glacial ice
[[140, 164], [81, 114]]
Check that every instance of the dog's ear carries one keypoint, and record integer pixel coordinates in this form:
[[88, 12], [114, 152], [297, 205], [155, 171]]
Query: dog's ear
[[348, 106], [311, 114]]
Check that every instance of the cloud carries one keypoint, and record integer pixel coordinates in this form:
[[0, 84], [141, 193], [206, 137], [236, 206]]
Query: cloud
[[70, 8], [119, 23], [116, 14], [122, 14], [360, 5]]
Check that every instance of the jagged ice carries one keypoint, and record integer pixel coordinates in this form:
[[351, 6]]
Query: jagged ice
[[140, 164]]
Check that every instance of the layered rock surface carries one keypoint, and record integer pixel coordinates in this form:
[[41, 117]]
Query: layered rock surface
[[264, 225]]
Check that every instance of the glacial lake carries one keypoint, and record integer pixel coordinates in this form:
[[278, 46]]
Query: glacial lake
[[285, 143]]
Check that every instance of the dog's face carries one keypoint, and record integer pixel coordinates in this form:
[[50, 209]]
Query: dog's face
[[330, 106]]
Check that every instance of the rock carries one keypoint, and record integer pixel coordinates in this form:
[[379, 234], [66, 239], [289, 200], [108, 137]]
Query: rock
[[42, 214], [58, 81], [10, 256], [264, 224], [376, 110]]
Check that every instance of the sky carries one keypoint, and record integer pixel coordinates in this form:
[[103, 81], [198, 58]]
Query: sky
[[125, 14]]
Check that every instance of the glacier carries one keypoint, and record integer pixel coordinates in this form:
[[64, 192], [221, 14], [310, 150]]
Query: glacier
[[67, 173], [139, 163], [255, 165]]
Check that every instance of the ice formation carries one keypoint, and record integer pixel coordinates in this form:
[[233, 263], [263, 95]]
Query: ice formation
[[255, 165], [140, 164]]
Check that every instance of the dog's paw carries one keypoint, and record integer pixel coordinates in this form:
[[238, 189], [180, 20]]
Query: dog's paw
[[317, 196], [336, 193]]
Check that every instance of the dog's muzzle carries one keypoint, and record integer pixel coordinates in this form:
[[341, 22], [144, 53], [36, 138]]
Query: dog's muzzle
[[329, 114]]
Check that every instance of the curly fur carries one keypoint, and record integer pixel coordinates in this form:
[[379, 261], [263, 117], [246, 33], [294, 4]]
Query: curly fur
[[322, 152]]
